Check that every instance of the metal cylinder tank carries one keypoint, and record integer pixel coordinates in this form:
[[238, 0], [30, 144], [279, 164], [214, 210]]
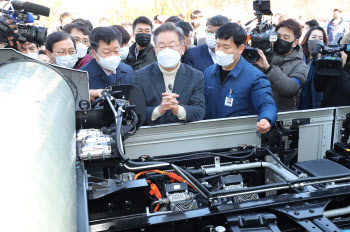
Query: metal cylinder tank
[[37, 147]]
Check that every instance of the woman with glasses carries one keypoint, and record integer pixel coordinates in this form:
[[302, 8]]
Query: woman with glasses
[[60, 47]]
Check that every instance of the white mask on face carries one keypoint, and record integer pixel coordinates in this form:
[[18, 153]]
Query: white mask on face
[[124, 52], [168, 58], [81, 50], [67, 61], [33, 55], [210, 40], [110, 63], [224, 59]]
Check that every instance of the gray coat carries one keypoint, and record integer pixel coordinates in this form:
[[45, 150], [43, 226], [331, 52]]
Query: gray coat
[[284, 87], [189, 85]]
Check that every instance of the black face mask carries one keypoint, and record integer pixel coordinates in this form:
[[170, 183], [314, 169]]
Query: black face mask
[[282, 47], [143, 39]]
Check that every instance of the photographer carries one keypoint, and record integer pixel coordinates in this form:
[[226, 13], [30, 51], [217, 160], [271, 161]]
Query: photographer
[[335, 88], [286, 71]]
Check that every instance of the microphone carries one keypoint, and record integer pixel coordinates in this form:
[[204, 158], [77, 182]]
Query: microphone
[[31, 7], [170, 86], [317, 50]]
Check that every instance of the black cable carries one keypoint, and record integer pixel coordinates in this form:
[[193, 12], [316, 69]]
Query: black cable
[[235, 158], [193, 181]]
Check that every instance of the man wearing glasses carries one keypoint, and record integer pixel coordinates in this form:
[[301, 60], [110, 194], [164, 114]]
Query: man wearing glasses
[[202, 57], [80, 34], [61, 49], [105, 69], [173, 91]]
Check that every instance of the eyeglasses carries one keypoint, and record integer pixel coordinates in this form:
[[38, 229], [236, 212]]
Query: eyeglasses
[[162, 47], [84, 41], [61, 53]]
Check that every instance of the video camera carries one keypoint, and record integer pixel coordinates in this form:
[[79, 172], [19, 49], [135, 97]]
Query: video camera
[[330, 63], [19, 14], [262, 35]]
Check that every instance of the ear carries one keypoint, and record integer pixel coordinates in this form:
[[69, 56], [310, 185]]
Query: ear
[[93, 54], [183, 49], [295, 43], [51, 57], [241, 49]]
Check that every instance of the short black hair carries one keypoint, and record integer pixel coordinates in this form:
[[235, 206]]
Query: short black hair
[[155, 17], [312, 23], [66, 15], [125, 34], [234, 31], [57, 37], [87, 23], [291, 24], [186, 27], [339, 10], [42, 52], [173, 19], [169, 27], [105, 34], [218, 20], [142, 19], [196, 14], [78, 26]]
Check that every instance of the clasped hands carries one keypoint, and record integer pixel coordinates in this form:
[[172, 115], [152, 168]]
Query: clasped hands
[[169, 102]]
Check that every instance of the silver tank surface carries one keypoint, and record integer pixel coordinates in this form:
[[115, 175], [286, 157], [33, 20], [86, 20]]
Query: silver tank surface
[[37, 147]]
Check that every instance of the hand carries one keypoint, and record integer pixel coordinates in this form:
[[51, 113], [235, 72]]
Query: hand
[[262, 62], [169, 102], [263, 126], [344, 57], [95, 93]]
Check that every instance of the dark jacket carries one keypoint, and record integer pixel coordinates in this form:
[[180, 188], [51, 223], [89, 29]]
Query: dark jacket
[[199, 58], [287, 77], [309, 98], [83, 61], [251, 91], [335, 89], [333, 29], [147, 57], [188, 85], [99, 80]]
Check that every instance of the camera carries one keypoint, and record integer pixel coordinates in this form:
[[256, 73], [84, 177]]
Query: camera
[[262, 35], [330, 63], [19, 14]]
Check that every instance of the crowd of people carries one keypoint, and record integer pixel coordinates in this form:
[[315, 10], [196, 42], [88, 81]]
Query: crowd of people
[[195, 70]]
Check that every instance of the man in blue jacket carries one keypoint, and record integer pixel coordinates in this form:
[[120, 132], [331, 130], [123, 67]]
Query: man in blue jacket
[[233, 87], [105, 69], [203, 56]]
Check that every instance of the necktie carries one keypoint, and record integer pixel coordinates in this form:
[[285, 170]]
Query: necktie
[[111, 78]]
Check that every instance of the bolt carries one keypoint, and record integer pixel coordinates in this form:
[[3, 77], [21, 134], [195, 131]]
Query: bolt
[[311, 210], [215, 201], [287, 206], [296, 213], [306, 204]]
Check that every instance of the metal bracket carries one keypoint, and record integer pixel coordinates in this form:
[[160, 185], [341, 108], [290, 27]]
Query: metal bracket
[[299, 122], [252, 221], [309, 215], [217, 161]]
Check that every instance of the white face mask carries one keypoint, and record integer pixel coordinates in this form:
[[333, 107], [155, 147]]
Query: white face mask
[[33, 55], [110, 63], [124, 52], [224, 59], [81, 50], [67, 61], [210, 40], [168, 58]]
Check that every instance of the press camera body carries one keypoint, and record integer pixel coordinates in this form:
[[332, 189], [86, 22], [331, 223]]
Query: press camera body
[[19, 14], [330, 63], [262, 35]]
